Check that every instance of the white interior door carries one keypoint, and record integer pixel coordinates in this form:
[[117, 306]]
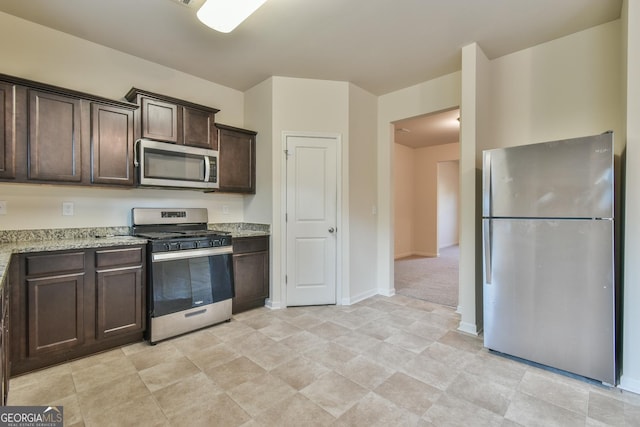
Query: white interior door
[[311, 213]]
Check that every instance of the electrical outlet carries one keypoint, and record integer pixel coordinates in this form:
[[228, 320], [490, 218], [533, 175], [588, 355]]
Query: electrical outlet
[[67, 208], [225, 209], [3, 207]]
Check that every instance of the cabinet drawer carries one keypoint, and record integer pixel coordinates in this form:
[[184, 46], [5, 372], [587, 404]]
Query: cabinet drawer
[[54, 263], [250, 244], [118, 257]]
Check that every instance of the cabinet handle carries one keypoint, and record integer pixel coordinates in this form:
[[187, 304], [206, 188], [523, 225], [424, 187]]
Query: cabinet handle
[[136, 163]]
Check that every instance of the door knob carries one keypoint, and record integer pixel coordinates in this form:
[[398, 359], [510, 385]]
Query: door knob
[[331, 229]]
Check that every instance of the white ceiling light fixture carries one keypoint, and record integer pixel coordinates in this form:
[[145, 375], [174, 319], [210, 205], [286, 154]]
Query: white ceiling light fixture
[[225, 15]]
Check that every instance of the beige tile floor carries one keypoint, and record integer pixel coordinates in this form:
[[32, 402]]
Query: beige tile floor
[[392, 361]]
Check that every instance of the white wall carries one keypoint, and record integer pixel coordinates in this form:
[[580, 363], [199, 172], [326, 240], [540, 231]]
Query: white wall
[[363, 183], [403, 198], [416, 199], [448, 203], [630, 378], [304, 105], [40, 206], [37, 53], [566, 88], [425, 197], [282, 104], [259, 117], [473, 129]]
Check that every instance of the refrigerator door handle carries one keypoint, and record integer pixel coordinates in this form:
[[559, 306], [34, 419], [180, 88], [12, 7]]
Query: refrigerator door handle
[[486, 240], [486, 185]]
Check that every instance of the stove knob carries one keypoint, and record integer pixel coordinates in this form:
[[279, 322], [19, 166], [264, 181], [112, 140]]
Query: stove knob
[[167, 246]]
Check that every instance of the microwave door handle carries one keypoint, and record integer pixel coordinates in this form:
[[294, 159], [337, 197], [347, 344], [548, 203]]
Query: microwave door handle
[[136, 163], [207, 168]]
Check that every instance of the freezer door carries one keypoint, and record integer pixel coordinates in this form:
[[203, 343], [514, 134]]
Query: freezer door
[[551, 294], [569, 179]]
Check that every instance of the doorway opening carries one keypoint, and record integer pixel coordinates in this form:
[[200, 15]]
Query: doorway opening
[[426, 207]]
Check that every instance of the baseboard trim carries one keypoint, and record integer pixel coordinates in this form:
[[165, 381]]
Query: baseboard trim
[[422, 254], [387, 292], [273, 305], [468, 328], [402, 255], [360, 297], [629, 384], [427, 254]]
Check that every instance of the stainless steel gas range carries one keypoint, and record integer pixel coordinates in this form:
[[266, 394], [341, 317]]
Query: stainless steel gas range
[[190, 280]]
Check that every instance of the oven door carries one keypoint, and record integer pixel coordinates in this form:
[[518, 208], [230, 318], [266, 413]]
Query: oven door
[[182, 280]]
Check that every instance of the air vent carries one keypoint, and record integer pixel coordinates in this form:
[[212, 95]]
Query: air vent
[[185, 2]]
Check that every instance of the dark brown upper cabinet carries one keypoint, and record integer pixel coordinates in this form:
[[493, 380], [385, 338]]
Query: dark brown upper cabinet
[[198, 128], [54, 137], [236, 159], [50, 134], [7, 140], [112, 145], [168, 119], [159, 120]]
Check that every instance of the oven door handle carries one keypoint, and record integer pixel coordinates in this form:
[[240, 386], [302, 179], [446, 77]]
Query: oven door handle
[[190, 253]]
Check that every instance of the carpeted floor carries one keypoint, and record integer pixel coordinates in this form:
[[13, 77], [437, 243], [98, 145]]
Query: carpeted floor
[[430, 279]]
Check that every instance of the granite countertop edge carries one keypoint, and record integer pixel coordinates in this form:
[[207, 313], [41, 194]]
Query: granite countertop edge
[[26, 241]]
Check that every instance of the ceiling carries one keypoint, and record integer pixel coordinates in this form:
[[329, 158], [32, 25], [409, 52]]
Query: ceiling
[[431, 129], [378, 45]]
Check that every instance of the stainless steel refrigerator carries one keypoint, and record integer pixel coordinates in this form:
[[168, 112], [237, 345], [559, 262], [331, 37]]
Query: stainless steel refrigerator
[[549, 269]]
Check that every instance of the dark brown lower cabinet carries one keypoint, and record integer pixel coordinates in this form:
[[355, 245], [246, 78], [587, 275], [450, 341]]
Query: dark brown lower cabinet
[[250, 272], [119, 292], [4, 343], [69, 304], [55, 313]]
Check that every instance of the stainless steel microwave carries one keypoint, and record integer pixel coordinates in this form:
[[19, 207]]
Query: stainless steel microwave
[[161, 164]]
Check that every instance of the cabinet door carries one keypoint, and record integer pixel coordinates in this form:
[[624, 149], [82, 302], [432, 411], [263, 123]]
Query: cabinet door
[[198, 128], [54, 137], [111, 145], [159, 120], [6, 373], [251, 280], [119, 302], [237, 161], [7, 141], [55, 313]]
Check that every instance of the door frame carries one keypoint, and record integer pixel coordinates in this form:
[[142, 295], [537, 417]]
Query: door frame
[[342, 229]]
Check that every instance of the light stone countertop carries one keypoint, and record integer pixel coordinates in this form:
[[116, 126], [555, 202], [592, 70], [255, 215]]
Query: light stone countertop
[[25, 241], [240, 230]]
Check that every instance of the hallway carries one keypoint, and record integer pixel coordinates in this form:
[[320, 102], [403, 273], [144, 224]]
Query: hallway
[[433, 279]]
